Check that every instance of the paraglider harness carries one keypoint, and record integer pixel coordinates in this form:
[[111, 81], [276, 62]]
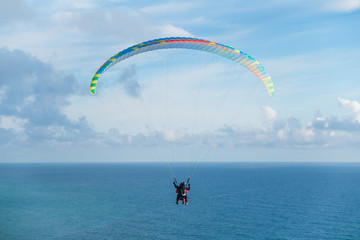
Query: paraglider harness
[[182, 190]]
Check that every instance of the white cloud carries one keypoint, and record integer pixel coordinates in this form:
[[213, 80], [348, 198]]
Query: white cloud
[[169, 8], [341, 5], [171, 30], [352, 106], [76, 4], [306, 133], [2, 93], [282, 134], [172, 135], [12, 122], [270, 113]]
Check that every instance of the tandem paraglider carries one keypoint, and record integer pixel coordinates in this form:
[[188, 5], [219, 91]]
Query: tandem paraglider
[[182, 191], [230, 53]]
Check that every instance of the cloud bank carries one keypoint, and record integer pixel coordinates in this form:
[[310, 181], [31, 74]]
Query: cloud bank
[[33, 95]]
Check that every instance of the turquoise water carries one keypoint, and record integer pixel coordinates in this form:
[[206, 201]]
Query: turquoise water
[[137, 201]]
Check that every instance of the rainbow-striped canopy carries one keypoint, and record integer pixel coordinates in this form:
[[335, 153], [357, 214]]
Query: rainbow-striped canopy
[[188, 43]]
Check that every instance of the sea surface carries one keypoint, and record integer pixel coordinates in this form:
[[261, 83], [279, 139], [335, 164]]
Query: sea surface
[[137, 201]]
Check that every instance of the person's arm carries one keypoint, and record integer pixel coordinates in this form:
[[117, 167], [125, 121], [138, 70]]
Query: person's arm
[[175, 183]]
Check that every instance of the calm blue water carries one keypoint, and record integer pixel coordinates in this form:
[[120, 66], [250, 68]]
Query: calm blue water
[[137, 201]]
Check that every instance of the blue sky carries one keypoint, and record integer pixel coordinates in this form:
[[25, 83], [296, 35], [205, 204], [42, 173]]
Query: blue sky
[[179, 105]]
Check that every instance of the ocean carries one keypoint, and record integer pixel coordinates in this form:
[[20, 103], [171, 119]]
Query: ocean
[[137, 201]]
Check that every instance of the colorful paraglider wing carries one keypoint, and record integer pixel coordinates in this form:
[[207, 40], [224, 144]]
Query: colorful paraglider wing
[[188, 43]]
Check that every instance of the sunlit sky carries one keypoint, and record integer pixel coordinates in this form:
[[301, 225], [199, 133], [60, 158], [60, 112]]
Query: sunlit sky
[[179, 105]]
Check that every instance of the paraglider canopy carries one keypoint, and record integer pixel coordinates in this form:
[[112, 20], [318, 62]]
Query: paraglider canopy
[[188, 43]]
